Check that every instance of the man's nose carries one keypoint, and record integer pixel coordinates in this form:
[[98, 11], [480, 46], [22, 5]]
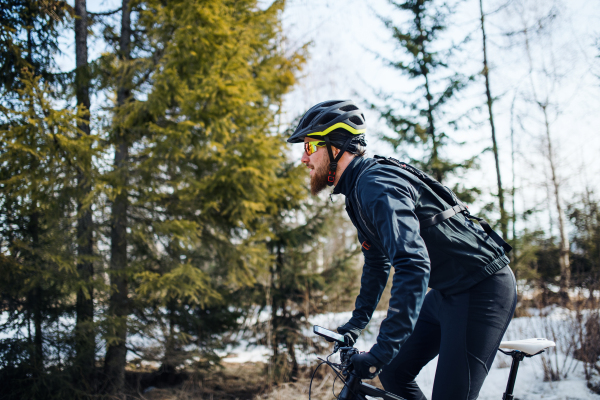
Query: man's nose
[[305, 159]]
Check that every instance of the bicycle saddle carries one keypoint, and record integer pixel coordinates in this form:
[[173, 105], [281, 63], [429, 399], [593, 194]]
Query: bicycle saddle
[[528, 346]]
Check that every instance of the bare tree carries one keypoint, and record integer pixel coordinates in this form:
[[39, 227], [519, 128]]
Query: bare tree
[[514, 253], [565, 265], [490, 100], [542, 100]]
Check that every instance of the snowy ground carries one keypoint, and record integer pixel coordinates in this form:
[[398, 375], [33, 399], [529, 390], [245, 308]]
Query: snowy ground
[[555, 325], [530, 384]]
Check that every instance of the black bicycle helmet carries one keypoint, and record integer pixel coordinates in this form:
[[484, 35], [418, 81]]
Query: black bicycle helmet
[[333, 116], [329, 116]]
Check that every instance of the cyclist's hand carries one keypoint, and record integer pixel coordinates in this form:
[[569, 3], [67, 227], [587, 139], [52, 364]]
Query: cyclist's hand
[[350, 340], [366, 365], [350, 331]]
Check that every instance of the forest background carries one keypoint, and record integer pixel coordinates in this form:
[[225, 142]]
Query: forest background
[[148, 194]]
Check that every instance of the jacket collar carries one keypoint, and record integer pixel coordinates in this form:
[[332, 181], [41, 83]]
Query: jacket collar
[[350, 175]]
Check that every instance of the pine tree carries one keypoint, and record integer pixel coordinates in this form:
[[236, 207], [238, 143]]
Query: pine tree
[[420, 121], [40, 154], [118, 306], [312, 267], [39, 151], [46, 148], [197, 160], [196, 181]]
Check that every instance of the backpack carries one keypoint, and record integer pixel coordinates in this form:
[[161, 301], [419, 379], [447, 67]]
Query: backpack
[[449, 197]]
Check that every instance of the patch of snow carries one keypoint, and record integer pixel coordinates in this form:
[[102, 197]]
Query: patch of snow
[[253, 354], [552, 323]]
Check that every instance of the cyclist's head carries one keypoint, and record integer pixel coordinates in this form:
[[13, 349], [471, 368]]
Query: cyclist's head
[[334, 125], [336, 120]]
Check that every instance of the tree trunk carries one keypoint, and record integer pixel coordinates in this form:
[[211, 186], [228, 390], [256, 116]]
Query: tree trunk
[[565, 267], [292, 353], [118, 303], [38, 338], [503, 216], [275, 302], [514, 253], [438, 173], [84, 330], [36, 305], [169, 362], [36, 294], [269, 302]]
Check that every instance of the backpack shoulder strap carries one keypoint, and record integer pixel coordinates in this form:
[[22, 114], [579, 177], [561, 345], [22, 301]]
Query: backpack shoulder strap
[[442, 191]]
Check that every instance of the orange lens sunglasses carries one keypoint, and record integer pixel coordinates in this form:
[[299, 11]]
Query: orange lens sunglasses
[[312, 147]]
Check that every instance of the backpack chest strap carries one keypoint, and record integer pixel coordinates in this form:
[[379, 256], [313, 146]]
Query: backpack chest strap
[[444, 215]]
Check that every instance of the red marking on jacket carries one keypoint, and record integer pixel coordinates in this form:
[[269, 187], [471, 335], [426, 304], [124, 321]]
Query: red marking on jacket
[[366, 245]]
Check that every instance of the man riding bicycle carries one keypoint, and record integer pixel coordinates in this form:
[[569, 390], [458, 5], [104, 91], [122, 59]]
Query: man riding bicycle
[[403, 221]]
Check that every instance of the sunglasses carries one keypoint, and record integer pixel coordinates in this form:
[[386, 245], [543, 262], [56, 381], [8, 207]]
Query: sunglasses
[[312, 147]]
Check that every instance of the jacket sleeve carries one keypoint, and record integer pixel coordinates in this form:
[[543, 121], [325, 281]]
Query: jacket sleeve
[[388, 202], [374, 277]]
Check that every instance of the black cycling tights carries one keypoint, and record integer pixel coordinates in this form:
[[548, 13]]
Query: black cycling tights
[[465, 329]]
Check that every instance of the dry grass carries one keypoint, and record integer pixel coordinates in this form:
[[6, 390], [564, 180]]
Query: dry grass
[[234, 381], [322, 388], [246, 381]]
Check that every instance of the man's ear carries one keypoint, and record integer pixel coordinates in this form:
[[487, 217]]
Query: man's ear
[[335, 151]]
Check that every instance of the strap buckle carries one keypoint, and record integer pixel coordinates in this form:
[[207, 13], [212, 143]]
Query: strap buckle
[[331, 177]]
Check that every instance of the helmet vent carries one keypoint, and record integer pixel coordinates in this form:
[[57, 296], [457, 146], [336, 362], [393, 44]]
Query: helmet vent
[[349, 107], [330, 103], [327, 118], [356, 120], [308, 119]]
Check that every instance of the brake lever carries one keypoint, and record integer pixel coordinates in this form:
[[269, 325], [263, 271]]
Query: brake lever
[[336, 347]]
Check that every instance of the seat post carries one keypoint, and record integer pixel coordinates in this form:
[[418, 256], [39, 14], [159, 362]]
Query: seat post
[[517, 357]]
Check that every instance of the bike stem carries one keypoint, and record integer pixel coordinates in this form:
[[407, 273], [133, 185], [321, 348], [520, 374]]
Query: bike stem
[[517, 357]]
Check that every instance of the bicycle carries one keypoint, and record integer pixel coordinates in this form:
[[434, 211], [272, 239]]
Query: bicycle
[[355, 389]]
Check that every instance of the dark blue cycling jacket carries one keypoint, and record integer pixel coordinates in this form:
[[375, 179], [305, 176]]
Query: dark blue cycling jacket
[[385, 204]]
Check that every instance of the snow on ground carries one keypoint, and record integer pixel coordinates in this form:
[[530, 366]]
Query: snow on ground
[[553, 323], [530, 384]]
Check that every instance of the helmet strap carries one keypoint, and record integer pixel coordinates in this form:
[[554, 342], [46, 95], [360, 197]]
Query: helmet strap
[[334, 161]]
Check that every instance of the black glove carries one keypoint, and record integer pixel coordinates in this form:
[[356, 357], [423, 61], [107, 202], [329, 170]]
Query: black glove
[[350, 331], [366, 365]]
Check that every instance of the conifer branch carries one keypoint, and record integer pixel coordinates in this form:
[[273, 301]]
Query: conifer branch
[[105, 13]]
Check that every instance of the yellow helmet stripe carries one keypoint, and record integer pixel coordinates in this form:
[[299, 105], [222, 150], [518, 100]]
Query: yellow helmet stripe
[[338, 125]]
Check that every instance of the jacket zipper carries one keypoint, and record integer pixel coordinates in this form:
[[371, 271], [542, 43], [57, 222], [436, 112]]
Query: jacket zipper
[[360, 214]]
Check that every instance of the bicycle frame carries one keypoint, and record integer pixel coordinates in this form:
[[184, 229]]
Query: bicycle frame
[[355, 389]]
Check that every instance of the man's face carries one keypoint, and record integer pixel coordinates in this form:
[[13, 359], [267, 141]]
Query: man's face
[[318, 165]]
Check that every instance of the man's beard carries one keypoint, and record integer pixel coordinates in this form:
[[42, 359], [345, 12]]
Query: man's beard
[[318, 181]]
